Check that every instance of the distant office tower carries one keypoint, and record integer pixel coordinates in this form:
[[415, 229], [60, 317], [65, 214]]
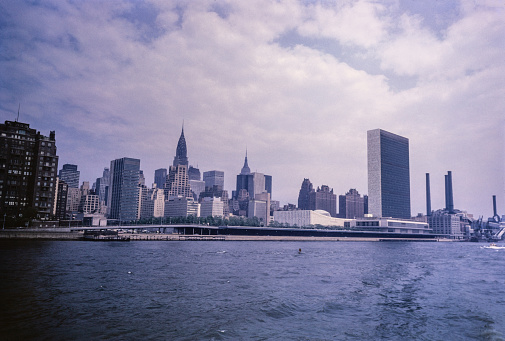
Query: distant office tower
[[85, 190], [152, 202], [181, 207], [323, 199], [303, 196], [160, 177], [351, 205], [388, 174], [217, 191], [259, 207], [213, 178], [70, 175], [181, 153], [61, 201], [73, 200], [89, 204], [194, 173], [123, 189], [211, 207], [197, 187], [102, 187], [142, 179], [177, 183], [28, 166], [253, 184]]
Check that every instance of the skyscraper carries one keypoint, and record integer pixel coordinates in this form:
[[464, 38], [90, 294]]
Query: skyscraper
[[181, 153], [250, 186], [213, 178], [160, 177], [123, 189], [303, 195], [70, 175], [323, 199], [177, 183], [351, 205], [388, 174], [194, 173], [102, 186], [254, 183], [28, 165]]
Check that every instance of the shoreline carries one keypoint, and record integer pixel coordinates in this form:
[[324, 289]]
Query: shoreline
[[66, 234]]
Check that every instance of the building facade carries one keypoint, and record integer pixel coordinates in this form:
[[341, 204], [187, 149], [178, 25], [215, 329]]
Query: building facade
[[197, 187], [303, 195], [160, 177], [70, 175], [388, 174], [308, 218], [181, 207], [60, 211], [213, 178], [90, 203], [152, 202], [447, 224], [211, 207], [323, 199], [102, 187], [177, 183], [194, 173], [351, 205], [251, 187], [123, 189], [28, 168]]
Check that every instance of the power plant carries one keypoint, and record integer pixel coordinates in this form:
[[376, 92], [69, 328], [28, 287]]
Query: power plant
[[454, 223]]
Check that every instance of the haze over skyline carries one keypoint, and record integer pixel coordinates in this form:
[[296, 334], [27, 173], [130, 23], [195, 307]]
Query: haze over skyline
[[296, 83]]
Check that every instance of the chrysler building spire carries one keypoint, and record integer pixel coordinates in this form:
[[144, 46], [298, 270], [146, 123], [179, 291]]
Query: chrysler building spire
[[181, 154]]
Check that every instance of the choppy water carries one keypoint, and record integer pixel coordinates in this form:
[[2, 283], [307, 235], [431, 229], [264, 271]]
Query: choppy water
[[61, 290]]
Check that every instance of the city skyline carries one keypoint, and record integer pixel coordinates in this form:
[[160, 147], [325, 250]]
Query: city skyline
[[296, 84]]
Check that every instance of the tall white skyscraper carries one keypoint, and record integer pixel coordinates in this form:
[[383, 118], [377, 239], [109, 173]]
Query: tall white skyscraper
[[388, 174]]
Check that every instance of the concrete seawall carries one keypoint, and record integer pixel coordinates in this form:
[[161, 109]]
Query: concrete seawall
[[66, 234], [57, 233]]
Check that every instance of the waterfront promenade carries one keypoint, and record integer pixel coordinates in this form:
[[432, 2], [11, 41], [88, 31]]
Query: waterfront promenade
[[151, 233]]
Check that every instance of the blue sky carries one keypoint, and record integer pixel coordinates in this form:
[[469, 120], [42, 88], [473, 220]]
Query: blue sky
[[296, 83]]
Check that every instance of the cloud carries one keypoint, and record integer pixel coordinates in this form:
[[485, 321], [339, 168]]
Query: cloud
[[352, 23], [118, 79]]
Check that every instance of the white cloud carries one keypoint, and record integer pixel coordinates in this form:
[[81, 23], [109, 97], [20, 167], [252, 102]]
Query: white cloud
[[353, 23], [88, 71]]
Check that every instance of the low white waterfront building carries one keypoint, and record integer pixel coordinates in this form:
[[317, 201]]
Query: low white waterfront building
[[308, 218]]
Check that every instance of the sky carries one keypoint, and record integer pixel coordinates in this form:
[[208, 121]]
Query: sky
[[295, 83]]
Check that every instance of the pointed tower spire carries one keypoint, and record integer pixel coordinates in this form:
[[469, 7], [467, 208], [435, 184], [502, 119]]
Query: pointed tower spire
[[181, 153], [245, 170]]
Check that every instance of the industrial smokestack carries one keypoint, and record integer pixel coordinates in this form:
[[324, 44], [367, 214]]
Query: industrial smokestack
[[450, 207], [428, 195], [495, 214], [449, 201], [446, 194]]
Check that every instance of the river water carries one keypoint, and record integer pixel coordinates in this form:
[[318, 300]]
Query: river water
[[222, 290]]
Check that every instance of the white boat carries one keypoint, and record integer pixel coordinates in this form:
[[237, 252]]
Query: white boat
[[494, 247]]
